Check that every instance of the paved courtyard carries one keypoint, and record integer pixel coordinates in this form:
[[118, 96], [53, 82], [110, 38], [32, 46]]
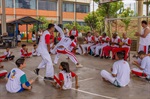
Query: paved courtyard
[[90, 82]]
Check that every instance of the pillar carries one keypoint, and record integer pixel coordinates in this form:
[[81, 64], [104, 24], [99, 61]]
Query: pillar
[[140, 13], [59, 11], [3, 22]]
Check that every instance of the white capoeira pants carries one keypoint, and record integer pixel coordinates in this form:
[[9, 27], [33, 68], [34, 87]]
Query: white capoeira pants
[[107, 76], [98, 48], [79, 50], [85, 47], [47, 62], [71, 56], [93, 47], [144, 48]]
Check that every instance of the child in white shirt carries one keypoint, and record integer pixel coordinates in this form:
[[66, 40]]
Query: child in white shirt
[[8, 54], [18, 39], [33, 37], [64, 81], [143, 67], [120, 75], [34, 51], [17, 80]]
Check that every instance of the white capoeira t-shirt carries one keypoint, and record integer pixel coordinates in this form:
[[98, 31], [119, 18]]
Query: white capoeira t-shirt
[[146, 40], [14, 81], [122, 69], [67, 80], [127, 41], [145, 64], [42, 47], [89, 39]]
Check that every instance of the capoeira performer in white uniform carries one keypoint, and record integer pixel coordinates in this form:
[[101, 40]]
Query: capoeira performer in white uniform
[[44, 49], [96, 42], [144, 44], [104, 41], [64, 46]]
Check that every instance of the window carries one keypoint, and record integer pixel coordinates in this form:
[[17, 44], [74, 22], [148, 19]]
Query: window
[[26, 4], [9, 3], [47, 5], [68, 7], [67, 22], [82, 23], [82, 8]]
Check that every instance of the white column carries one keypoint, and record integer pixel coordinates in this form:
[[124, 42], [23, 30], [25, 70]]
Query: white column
[[59, 11], [3, 17], [140, 13], [14, 1], [37, 8], [75, 14]]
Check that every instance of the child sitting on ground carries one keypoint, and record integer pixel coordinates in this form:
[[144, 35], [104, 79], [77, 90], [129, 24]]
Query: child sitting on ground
[[24, 51], [8, 54], [143, 67], [34, 51], [120, 75], [16, 79], [65, 77]]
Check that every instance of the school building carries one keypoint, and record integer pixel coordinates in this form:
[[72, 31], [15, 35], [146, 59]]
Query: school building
[[72, 10]]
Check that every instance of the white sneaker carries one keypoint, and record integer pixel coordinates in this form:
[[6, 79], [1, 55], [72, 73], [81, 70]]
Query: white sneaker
[[79, 66]]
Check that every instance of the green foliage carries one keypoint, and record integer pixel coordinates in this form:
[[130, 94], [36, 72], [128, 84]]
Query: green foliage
[[95, 20], [109, 10], [126, 13], [79, 27], [41, 26], [91, 19]]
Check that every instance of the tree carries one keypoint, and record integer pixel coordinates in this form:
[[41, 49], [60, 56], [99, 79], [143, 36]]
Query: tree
[[91, 20], [96, 20], [126, 13], [42, 26], [79, 27]]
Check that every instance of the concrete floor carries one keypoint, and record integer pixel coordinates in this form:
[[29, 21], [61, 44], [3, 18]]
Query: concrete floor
[[90, 82]]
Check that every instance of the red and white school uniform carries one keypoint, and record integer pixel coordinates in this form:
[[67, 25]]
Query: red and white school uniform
[[101, 45], [96, 42], [89, 41], [144, 42], [66, 77], [145, 65], [43, 51], [107, 49], [124, 48], [74, 33], [25, 53], [64, 47]]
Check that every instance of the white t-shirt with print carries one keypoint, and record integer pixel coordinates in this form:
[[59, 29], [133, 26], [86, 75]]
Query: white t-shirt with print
[[14, 84], [145, 64], [67, 80], [122, 69]]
